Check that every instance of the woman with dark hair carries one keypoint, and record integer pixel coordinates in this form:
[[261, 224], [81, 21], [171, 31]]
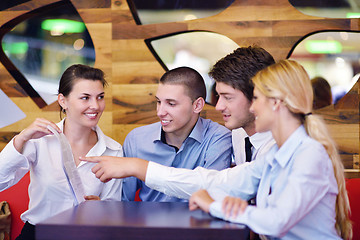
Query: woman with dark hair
[[37, 149]]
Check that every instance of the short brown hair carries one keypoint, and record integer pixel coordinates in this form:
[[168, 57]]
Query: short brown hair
[[189, 78], [237, 68]]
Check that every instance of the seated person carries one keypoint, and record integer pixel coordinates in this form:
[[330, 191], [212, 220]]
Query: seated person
[[182, 139], [322, 92], [37, 149], [299, 185]]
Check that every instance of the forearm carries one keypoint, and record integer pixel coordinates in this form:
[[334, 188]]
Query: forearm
[[19, 143], [13, 166], [175, 182], [137, 168]]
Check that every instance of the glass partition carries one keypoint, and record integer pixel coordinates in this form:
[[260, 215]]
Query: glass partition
[[38, 46], [328, 8], [160, 11], [333, 56], [198, 49]]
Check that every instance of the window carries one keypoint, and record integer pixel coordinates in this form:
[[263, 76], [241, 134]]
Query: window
[[328, 8], [199, 50], [38, 46], [160, 11], [334, 56]]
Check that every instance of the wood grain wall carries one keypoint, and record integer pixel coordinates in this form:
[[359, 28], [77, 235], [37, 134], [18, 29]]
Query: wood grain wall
[[133, 72]]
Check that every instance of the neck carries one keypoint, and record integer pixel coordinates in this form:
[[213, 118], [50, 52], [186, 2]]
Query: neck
[[77, 134], [250, 129], [284, 127], [178, 137]]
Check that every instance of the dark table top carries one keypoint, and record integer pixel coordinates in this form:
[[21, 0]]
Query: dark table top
[[137, 220]]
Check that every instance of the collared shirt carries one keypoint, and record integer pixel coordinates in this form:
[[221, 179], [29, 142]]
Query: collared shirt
[[257, 140], [208, 146], [181, 183], [295, 189], [49, 191]]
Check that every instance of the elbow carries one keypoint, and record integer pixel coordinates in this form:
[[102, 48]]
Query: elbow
[[278, 228]]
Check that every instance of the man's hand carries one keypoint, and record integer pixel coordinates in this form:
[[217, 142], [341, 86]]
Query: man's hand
[[200, 199], [109, 167]]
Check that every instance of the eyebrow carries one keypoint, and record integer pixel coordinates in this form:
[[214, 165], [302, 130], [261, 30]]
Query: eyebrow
[[168, 99], [87, 94], [224, 93]]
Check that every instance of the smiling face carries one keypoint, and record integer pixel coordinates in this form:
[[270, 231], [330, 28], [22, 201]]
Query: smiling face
[[262, 107], [175, 109], [85, 103], [234, 107]]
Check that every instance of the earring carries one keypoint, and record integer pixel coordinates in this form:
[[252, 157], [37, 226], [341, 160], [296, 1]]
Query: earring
[[64, 111], [273, 108]]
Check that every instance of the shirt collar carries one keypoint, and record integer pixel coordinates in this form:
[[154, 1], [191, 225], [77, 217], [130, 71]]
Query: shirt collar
[[283, 155], [198, 130], [260, 138], [103, 142], [156, 134]]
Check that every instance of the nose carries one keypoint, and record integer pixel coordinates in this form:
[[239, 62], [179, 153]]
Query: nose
[[160, 110], [220, 106], [251, 109], [94, 104]]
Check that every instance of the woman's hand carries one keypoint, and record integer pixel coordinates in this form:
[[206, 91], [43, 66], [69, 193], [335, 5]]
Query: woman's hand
[[36, 130], [232, 206], [200, 199]]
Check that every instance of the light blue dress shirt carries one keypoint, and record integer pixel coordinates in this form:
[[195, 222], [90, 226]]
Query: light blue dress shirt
[[208, 146], [295, 188]]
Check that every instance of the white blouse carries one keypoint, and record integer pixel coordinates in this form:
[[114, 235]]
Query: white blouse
[[49, 191]]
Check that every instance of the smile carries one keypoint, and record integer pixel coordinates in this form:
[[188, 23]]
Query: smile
[[91, 115]]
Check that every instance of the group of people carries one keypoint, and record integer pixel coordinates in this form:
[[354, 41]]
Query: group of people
[[285, 158]]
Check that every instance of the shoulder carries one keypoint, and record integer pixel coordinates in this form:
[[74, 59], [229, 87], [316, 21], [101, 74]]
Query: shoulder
[[143, 130], [214, 127], [109, 142], [311, 145], [312, 154], [112, 144], [140, 134]]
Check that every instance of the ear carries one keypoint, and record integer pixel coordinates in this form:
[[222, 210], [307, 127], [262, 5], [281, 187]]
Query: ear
[[198, 105], [62, 100], [276, 104]]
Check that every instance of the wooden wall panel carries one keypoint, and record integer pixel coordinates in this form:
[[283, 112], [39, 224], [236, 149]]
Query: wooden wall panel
[[133, 72]]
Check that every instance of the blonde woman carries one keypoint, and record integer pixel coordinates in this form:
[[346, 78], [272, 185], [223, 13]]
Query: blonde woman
[[299, 185]]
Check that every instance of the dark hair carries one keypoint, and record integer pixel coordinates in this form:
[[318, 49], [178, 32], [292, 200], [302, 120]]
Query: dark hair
[[189, 78], [75, 72], [322, 92], [237, 68]]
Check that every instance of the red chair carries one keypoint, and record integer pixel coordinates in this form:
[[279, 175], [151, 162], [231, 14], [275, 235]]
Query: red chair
[[353, 188], [137, 196], [18, 199]]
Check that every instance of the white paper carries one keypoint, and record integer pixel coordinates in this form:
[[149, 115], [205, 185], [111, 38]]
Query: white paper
[[70, 168]]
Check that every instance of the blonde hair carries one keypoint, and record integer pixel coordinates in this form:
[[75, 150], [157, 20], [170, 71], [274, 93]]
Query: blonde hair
[[288, 81]]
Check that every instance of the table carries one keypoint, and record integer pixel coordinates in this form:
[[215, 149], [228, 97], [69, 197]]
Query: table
[[102, 220]]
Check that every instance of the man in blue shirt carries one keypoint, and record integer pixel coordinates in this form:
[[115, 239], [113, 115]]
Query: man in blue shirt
[[182, 139]]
